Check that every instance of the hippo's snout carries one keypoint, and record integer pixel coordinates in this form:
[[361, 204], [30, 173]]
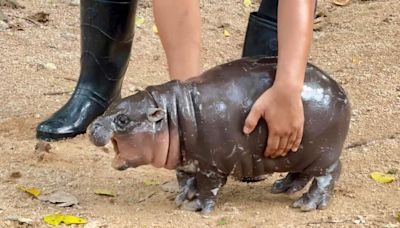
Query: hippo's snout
[[99, 133]]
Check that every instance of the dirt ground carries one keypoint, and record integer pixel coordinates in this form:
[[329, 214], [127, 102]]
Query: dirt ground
[[357, 44]]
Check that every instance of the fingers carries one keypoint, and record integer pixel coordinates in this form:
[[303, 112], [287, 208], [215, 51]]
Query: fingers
[[281, 144], [272, 145], [291, 141], [251, 120], [297, 141]]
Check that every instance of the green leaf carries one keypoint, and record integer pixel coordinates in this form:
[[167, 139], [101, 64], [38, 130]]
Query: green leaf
[[57, 219], [227, 33], [382, 177], [222, 222], [32, 191], [54, 219], [247, 3], [104, 192], [139, 20], [149, 182]]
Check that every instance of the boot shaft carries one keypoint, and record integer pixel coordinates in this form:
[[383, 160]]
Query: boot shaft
[[107, 31]]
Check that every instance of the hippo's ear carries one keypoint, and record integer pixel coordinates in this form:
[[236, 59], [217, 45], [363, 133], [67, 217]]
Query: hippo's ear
[[155, 114]]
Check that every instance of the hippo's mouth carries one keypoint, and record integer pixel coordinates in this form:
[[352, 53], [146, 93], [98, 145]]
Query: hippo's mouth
[[118, 163]]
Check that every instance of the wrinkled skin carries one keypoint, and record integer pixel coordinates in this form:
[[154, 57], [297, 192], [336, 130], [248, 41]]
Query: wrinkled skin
[[196, 126]]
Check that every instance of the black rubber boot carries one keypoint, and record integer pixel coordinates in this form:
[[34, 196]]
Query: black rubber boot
[[107, 29], [261, 35]]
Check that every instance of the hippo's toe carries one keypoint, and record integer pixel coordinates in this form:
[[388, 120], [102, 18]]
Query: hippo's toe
[[310, 202], [293, 182], [191, 205], [207, 206]]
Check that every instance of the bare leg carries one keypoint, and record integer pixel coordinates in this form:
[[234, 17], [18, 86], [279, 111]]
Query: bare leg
[[178, 23]]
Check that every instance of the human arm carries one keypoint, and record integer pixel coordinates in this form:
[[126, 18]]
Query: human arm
[[281, 105]]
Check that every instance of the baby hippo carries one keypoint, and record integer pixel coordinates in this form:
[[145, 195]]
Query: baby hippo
[[196, 126]]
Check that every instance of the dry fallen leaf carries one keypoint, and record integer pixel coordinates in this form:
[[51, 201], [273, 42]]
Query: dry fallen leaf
[[155, 29], [32, 191], [149, 182], [104, 192], [341, 2], [139, 21], [247, 3], [61, 198], [41, 17], [20, 220], [354, 60], [226, 33], [57, 219], [382, 177], [398, 216]]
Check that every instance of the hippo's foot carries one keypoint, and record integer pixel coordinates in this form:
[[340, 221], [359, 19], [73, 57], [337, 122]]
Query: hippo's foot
[[314, 199], [204, 206], [187, 192], [191, 205], [319, 194], [187, 188], [293, 182], [193, 198]]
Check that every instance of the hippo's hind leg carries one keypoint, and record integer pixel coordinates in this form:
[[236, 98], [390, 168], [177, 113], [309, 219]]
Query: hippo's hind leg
[[319, 194], [293, 182], [187, 187]]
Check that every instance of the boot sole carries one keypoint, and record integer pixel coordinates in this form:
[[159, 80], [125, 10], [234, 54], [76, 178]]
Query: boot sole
[[52, 137]]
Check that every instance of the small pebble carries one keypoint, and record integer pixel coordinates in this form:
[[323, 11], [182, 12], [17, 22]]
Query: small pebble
[[3, 25], [74, 2], [229, 208], [170, 186], [42, 146], [37, 116], [16, 175], [156, 57], [19, 220], [47, 66]]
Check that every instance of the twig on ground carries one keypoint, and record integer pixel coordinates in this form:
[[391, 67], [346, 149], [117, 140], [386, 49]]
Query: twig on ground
[[146, 197], [56, 93]]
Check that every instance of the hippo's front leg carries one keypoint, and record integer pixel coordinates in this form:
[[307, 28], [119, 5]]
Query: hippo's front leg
[[208, 184]]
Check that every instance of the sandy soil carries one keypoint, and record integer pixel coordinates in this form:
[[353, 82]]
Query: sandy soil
[[358, 44]]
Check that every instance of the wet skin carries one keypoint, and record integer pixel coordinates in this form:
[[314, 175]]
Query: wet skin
[[196, 126]]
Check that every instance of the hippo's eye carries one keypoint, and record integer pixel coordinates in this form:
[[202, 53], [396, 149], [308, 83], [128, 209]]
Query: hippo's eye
[[122, 120]]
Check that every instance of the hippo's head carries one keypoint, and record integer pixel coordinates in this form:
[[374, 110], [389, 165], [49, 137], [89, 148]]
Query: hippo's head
[[134, 126]]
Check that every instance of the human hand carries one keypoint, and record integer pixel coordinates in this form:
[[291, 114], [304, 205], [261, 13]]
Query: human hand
[[282, 109]]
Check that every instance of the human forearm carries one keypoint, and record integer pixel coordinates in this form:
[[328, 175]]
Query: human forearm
[[295, 21]]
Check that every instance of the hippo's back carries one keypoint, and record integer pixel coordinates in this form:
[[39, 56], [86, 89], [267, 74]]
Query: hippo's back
[[222, 98]]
